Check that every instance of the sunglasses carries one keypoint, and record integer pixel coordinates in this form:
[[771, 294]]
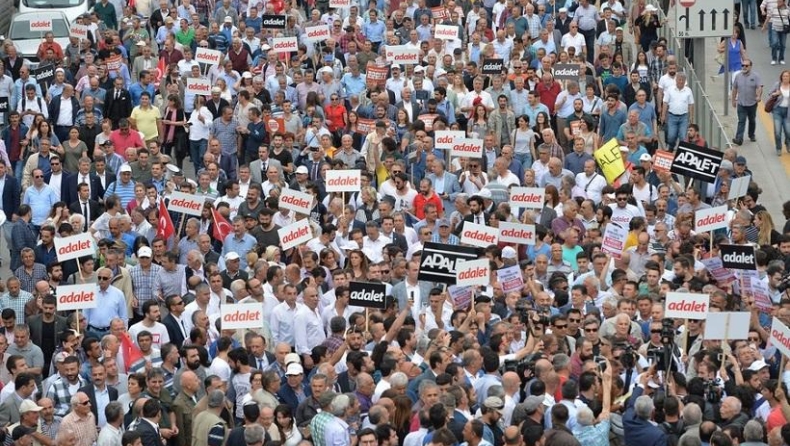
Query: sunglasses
[[85, 403], [561, 327], [591, 330], [102, 278], [657, 331], [38, 176], [574, 320]]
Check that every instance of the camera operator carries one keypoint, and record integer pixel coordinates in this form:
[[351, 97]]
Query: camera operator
[[653, 348]]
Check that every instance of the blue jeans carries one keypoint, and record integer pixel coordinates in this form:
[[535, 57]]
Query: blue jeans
[[778, 41], [525, 159], [781, 124], [677, 127], [746, 113], [18, 168], [749, 13], [197, 149]]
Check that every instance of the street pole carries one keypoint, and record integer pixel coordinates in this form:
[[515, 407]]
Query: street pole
[[700, 61]]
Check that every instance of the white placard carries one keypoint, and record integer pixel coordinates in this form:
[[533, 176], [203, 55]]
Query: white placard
[[527, 197], [76, 297], [510, 279], [686, 305], [295, 234], [402, 54], [446, 32], [479, 235], [78, 31], [469, 148], [247, 315], [198, 86], [284, 45], [74, 247], [710, 219], [516, 233], [297, 201], [339, 3], [316, 33], [208, 56], [473, 272], [614, 238], [343, 180], [40, 25], [727, 325], [739, 186], [445, 139], [187, 203], [780, 337]]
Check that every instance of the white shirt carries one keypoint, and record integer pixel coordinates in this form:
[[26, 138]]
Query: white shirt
[[623, 216], [591, 185], [308, 330], [430, 319], [159, 335], [507, 180], [381, 387], [109, 436], [55, 181], [413, 293], [221, 368], [472, 95], [678, 100], [200, 130], [233, 204], [281, 322], [576, 41], [376, 246], [66, 113]]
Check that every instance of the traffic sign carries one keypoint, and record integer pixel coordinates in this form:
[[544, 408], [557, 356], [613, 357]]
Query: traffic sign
[[704, 18]]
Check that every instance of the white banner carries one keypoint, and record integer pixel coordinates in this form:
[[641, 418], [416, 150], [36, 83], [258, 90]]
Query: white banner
[[446, 32], [686, 305], [446, 139], [479, 235], [738, 187], [76, 297], [343, 180], [402, 54], [710, 219], [235, 316], [284, 45], [187, 203], [527, 197], [473, 272], [78, 31], [469, 148], [780, 337], [295, 234], [318, 33], [74, 247], [198, 86], [614, 240], [727, 325], [297, 201], [207, 56], [516, 233], [40, 25]]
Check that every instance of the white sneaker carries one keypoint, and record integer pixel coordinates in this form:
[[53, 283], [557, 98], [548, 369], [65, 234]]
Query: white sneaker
[[782, 62], [773, 62]]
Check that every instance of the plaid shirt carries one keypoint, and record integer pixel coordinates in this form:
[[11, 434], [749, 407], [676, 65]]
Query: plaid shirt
[[318, 426], [142, 284], [28, 281], [61, 396], [50, 429], [348, 37], [657, 68], [85, 428], [333, 343], [16, 303]]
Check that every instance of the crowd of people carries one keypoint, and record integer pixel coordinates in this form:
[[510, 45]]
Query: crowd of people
[[578, 352]]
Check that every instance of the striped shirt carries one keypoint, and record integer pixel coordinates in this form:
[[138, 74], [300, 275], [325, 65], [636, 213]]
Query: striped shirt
[[142, 284], [16, 303]]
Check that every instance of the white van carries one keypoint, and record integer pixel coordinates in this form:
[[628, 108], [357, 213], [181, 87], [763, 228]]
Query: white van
[[72, 8]]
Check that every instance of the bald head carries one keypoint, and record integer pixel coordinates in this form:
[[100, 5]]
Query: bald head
[[510, 382], [190, 382]]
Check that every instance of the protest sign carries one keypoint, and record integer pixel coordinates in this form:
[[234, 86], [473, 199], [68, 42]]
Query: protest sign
[[438, 262], [76, 297], [297, 201], [780, 337], [710, 219], [402, 54], [343, 180], [473, 272], [317, 33], [445, 32], [186, 203], [516, 233], [273, 21], [295, 234], [367, 294], [73, 247], [527, 197], [662, 160], [686, 305], [284, 45], [614, 238], [445, 139], [510, 278], [727, 325], [479, 235], [469, 148], [738, 256], [566, 71], [461, 296], [208, 56], [198, 86], [739, 186], [492, 66], [696, 162], [609, 160], [237, 316]]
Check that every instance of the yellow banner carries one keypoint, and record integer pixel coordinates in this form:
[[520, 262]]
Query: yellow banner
[[609, 160]]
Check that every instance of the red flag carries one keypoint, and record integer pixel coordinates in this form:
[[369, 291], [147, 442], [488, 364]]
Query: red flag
[[159, 73], [221, 226], [131, 353], [166, 228]]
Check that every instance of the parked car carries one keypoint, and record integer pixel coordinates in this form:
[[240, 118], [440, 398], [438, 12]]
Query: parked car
[[27, 41]]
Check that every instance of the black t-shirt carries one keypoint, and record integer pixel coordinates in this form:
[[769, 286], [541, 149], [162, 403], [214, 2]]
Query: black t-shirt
[[285, 158], [48, 338]]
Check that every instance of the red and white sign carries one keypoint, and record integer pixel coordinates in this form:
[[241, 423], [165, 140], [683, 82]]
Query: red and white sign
[[516, 233], [284, 45], [710, 219], [343, 180], [446, 139], [207, 56], [198, 86], [74, 247], [468, 148], [316, 33], [235, 316], [78, 31], [780, 337], [76, 297], [339, 3], [527, 197], [613, 241], [439, 13], [662, 161], [402, 54], [296, 201], [295, 234], [187, 203], [687, 3], [686, 306], [473, 272], [446, 32], [40, 25], [479, 235]]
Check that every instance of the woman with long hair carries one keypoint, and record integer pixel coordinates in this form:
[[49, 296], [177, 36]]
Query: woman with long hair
[[336, 118], [542, 122], [369, 210], [736, 52], [357, 265], [174, 134], [766, 234], [589, 135], [457, 90], [401, 417], [73, 149], [642, 66], [529, 178], [104, 135], [44, 130], [781, 91], [523, 141], [477, 127], [284, 418], [57, 215], [402, 124], [778, 15]]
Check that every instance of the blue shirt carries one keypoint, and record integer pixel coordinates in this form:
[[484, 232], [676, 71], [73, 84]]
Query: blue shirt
[[633, 158], [374, 31], [113, 304], [483, 383], [255, 23], [353, 84], [40, 201], [124, 191], [128, 240], [240, 246], [137, 89]]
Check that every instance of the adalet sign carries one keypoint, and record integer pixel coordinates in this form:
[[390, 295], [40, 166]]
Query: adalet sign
[[367, 294], [316, 33], [236, 316], [297, 201], [738, 257], [295, 234], [74, 247], [481, 236], [710, 219], [198, 86], [527, 197], [207, 56], [516, 233], [473, 272], [401, 54], [40, 25], [284, 45], [343, 180], [446, 32], [76, 297], [686, 306], [780, 337], [439, 262], [187, 203], [445, 139], [468, 148]]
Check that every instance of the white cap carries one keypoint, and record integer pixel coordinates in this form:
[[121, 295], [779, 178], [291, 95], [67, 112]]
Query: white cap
[[125, 168], [29, 406], [247, 75], [141, 43], [144, 252], [758, 365], [645, 157], [509, 253], [419, 69], [228, 19], [265, 47], [623, 149], [651, 8], [325, 70], [294, 369], [484, 193], [233, 255], [291, 357], [302, 169]]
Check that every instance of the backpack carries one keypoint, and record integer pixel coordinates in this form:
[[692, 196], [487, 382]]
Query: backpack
[[38, 100]]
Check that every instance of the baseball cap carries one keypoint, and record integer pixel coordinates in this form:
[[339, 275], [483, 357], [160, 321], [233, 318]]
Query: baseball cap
[[623, 149], [755, 367], [265, 47], [29, 406], [141, 43], [294, 370], [144, 252], [291, 357], [228, 19], [645, 157], [444, 222], [247, 75], [168, 20], [563, 10], [302, 169], [509, 253], [216, 90], [484, 193], [231, 256], [494, 402], [126, 168], [740, 160], [532, 403], [418, 69]]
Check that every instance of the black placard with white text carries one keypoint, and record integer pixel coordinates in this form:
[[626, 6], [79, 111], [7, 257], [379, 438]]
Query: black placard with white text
[[697, 162], [273, 21], [738, 257], [492, 66], [367, 294], [438, 261]]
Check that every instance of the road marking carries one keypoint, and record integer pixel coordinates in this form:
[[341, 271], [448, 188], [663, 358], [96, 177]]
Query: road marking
[[768, 123]]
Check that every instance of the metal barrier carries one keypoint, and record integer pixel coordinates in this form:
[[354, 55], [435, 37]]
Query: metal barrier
[[705, 116]]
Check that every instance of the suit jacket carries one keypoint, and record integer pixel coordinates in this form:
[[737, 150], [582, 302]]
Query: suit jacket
[[411, 106], [148, 435], [11, 196], [638, 430], [414, 386], [68, 188], [399, 292], [109, 178], [35, 324], [93, 208], [91, 392], [451, 187], [399, 240], [54, 109], [216, 109], [257, 175], [288, 396], [9, 411], [139, 65], [344, 382], [121, 108], [229, 166], [173, 330], [471, 218], [270, 359]]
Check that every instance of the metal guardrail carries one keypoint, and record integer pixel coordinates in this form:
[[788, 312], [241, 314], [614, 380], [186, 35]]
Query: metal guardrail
[[705, 116]]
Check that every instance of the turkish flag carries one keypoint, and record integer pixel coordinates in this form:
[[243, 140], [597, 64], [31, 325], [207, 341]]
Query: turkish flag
[[221, 226], [166, 228], [131, 353], [159, 73]]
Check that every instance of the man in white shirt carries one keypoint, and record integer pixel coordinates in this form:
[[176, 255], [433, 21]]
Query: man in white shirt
[[438, 312], [504, 176], [281, 320], [375, 241], [308, 331], [677, 111], [591, 181], [151, 324], [477, 96]]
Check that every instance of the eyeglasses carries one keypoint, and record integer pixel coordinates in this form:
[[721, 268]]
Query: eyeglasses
[[754, 339], [574, 320], [38, 176], [656, 331], [385, 271], [561, 327], [102, 278], [85, 403], [622, 199], [591, 330], [180, 302], [54, 164], [746, 65]]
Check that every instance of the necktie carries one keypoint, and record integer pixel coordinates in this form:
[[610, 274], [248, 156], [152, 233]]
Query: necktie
[[117, 94], [184, 328], [85, 214], [477, 219], [263, 168], [314, 176], [260, 364], [85, 180]]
